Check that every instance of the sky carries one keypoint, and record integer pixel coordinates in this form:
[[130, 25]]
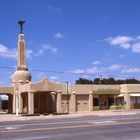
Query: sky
[[69, 39]]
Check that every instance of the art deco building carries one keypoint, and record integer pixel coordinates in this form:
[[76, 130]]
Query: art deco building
[[44, 96]]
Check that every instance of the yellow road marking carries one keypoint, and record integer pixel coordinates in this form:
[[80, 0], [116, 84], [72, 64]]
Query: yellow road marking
[[70, 127]]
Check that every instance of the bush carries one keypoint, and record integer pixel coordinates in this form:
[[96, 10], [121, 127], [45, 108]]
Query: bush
[[36, 114], [55, 113], [116, 107], [135, 106], [96, 108]]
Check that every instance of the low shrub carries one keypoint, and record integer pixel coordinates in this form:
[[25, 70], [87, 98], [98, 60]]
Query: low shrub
[[96, 108]]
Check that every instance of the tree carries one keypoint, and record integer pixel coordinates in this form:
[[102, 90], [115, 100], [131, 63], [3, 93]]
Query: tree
[[97, 81], [107, 81], [83, 81], [132, 81]]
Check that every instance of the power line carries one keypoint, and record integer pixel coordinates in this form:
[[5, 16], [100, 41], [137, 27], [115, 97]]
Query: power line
[[5, 67], [71, 73]]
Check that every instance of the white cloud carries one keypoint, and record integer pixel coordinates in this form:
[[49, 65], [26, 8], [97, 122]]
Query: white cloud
[[116, 67], [44, 48], [119, 40], [29, 53], [136, 47], [131, 70], [54, 78], [126, 42], [12, 53], [93, 70], [124, 69], [58, 35], [96, 62], [125, 46], [47, 47], [7, 53], [53, 50], [78, 71], [138, 37], [3, 49]]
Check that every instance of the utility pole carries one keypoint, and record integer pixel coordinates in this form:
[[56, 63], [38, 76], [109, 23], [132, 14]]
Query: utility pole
[[124, 81], [101, 78]]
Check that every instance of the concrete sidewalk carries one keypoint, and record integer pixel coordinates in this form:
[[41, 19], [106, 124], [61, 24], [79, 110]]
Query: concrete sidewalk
[[13, 117]]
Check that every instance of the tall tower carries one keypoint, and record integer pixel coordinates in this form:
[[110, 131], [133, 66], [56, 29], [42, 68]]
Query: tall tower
[[21, 75]]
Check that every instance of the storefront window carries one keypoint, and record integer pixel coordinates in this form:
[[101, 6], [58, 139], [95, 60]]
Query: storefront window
[[95, 101], [110, 101], [133, 100], [138, 100]]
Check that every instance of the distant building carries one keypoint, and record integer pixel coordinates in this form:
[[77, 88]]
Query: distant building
[[48, 97]]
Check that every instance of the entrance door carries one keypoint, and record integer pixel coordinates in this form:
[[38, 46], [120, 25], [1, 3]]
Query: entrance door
[[43, 103], [103, 103]]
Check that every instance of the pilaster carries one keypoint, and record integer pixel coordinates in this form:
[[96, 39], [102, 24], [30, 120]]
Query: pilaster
[[14, 103], [30, 103], [73, 101], [91, 101], [53, 101], [58, 102], [20, 104], [127, 102]]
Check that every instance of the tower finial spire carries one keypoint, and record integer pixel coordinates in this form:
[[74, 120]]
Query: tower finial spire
[[21, 22]]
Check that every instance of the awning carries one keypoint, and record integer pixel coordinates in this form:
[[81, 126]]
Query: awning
[[132, 95], [135, 95], [107, 92], [121, 95]]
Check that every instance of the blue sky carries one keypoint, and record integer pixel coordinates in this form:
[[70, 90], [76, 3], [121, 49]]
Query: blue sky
[[80, 38]]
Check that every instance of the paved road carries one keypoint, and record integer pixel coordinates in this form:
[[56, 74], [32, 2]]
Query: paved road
[[85, 128]]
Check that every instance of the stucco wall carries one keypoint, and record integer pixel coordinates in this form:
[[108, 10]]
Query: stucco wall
[[6, 90], [133, 88], [86, 89]]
